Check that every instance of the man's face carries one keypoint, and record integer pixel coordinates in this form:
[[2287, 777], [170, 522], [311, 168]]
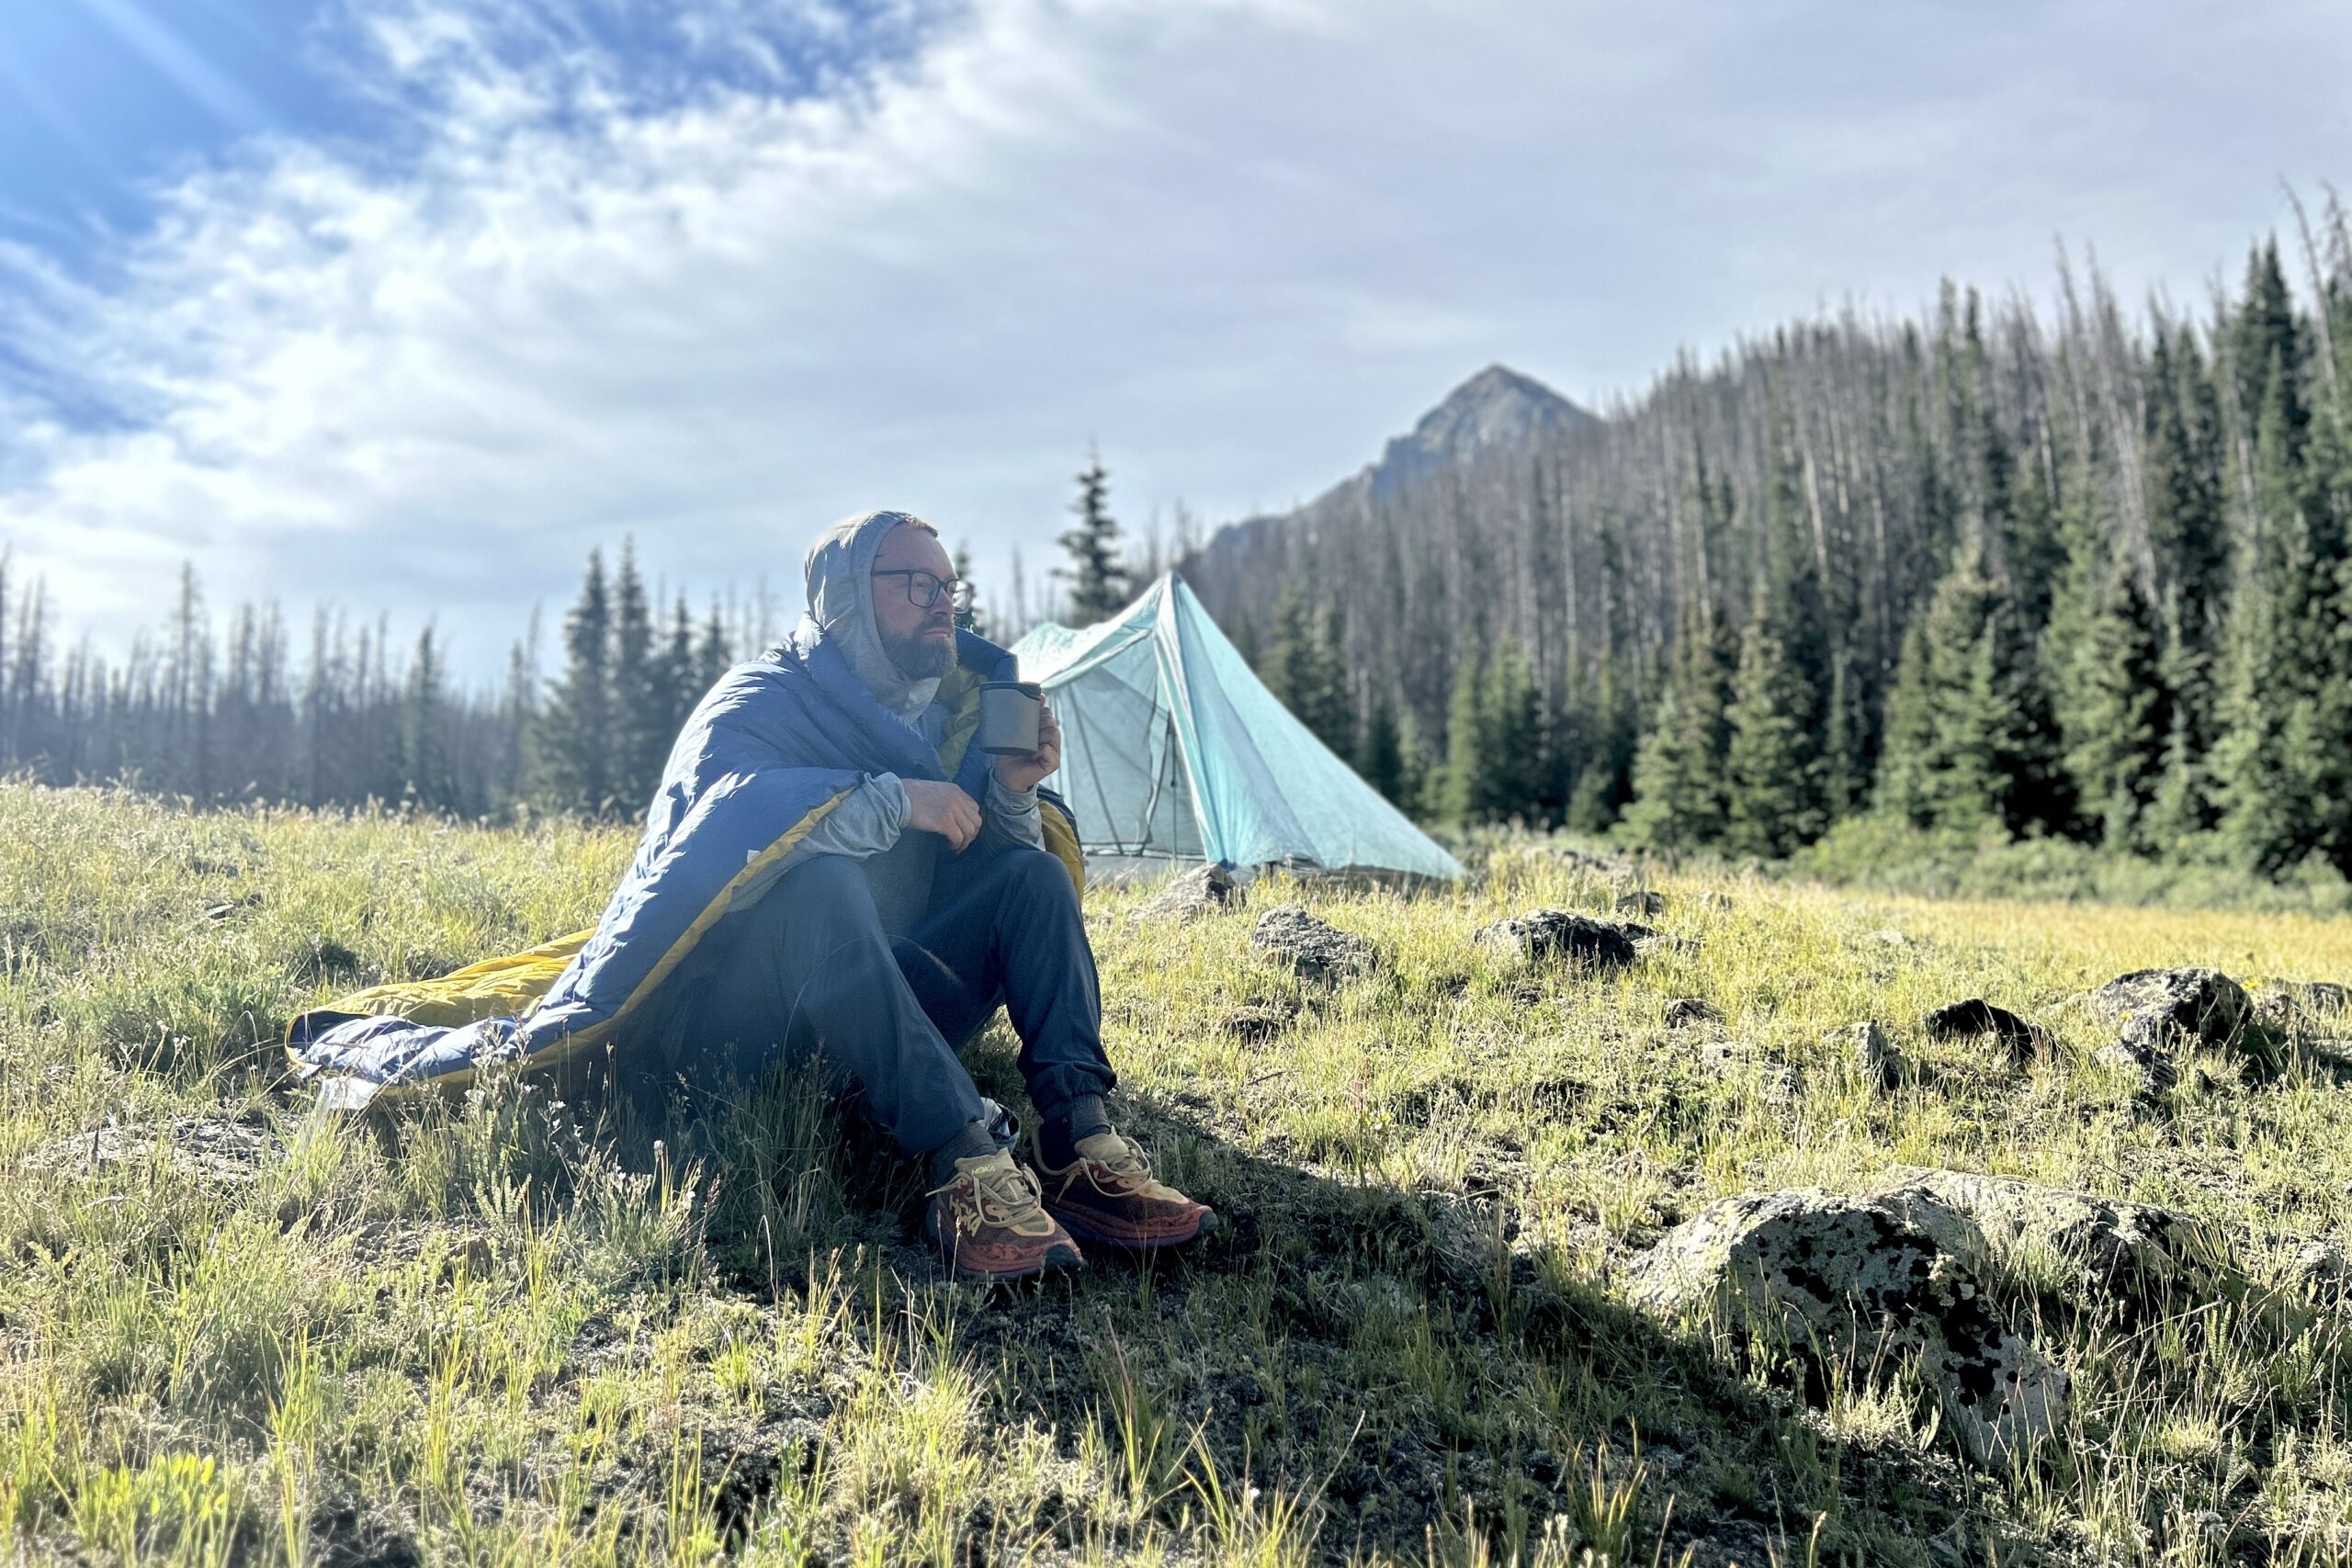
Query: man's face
[[920, 642]]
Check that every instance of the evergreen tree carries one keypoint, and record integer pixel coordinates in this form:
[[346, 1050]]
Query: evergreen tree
[[1774, 795], [1680, 765], [681, 672], [2116, 729], [967, 605], [1381, 758], [1512, 782], [1968, 726], [1097, 583], [2274, 765], [424, 754], [640, 695], [1463, 787], [712, 655], [571, 743]]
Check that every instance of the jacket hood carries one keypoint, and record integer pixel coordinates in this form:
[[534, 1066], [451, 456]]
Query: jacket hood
[[841, 609]]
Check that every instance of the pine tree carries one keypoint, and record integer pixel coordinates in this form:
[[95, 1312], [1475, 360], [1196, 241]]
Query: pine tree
[[968, 607], [1097, 583], [1774, 796], [2272, 765], [1968, 724], [1462, 788], [1680, 766], [572, 744], [2116, 731], [640, 696], [425, 753], [681, 672], [1511, 781], [712, 655], [1381, 758]]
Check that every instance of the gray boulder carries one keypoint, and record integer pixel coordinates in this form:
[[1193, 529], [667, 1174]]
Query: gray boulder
[[1541, 935], [1642, 901], [1315, 950], [2137, 1254], [2158, 1012], [1205, 890], [1854, 1282]]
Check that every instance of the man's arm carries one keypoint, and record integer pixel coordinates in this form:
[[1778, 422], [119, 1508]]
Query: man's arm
[[1011, 819]]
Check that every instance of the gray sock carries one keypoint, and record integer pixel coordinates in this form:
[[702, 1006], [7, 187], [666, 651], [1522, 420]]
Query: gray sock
[[973, 1138], [1057, 1134]]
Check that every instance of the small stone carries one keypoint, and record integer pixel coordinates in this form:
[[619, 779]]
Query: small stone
[[1542, 934], [1684, 1011], [1205, 890], [1865, 1046], [220, 912], [1967, 1020], [1317, 951], [1640, 902], [1256, 1023]]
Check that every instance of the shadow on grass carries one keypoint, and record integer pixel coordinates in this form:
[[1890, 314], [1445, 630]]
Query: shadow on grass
[[1384, 1365]]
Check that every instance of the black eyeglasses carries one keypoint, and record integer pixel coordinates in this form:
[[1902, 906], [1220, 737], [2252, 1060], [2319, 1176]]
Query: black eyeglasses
[[923, 589]]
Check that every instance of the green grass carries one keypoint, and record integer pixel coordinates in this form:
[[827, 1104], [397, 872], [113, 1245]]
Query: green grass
[[498, 1331]]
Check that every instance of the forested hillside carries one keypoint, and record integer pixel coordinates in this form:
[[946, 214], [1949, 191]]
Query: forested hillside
[[2083, 576]]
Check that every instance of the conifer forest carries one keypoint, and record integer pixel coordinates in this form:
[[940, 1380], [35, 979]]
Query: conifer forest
[[2080, 569]]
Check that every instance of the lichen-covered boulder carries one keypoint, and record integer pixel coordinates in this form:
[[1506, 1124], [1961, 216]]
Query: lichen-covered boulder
[[2157, 1013], [1851, 1280], [2134, 1254], [1543, 934], [1203, 890], [1317, 950], [1641, 901]]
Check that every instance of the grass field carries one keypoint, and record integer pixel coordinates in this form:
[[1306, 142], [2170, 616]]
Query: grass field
[[497, 1331]]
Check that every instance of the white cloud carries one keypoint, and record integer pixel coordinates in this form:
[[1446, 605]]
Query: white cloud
[[718, 293]]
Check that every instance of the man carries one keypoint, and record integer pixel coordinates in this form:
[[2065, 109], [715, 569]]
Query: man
[[917, 896]]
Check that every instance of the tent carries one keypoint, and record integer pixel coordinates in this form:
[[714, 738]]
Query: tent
[[1173, 753]]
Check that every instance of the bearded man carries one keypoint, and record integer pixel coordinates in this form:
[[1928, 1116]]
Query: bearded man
[[915, 894]]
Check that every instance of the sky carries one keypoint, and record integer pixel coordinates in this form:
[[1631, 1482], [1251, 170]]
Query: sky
[[403, 305]]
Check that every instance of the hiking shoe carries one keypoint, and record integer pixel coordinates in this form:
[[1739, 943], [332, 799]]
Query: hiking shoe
[[1107, 1195], [988, 1222]]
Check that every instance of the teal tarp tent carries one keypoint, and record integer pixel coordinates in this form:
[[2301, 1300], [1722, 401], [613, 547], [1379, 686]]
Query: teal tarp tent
[[1173, 752]]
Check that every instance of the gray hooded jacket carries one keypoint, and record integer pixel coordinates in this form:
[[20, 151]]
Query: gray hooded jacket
[[871, 824]]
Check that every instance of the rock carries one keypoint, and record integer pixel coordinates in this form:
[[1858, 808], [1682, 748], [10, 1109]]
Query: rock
[[2297, 1006], [1967, 1020], [2204, 1005], [2318, 1269], [1887, 936], [1315, 950], [1684, 1011], [1203, 890], [1542, 934], [1848, 1280], [1255, 1023], [1640, 902], [2138, 1253], [215, 1148], [2159, 1011], [1865, 1046]]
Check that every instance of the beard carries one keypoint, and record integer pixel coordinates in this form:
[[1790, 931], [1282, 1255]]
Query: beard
[[918, 658]]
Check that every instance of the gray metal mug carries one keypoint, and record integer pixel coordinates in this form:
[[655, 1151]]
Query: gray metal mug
[[1010, 711]]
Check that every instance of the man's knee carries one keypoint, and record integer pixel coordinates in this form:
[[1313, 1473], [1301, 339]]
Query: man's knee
[[826, 879], [1037, 873]]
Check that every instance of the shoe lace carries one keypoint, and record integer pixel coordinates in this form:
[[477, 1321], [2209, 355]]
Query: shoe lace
[[1130, 1163], [998, 1193]]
